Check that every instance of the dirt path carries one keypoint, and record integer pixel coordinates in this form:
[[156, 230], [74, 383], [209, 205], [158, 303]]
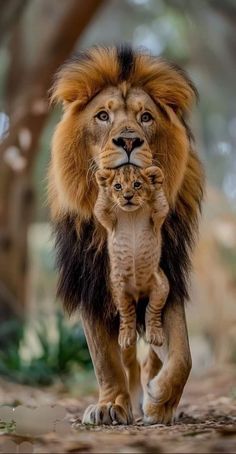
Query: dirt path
[[206, 424]]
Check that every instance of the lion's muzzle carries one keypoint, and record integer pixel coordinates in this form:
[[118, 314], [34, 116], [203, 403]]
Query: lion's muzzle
[[126, 147]]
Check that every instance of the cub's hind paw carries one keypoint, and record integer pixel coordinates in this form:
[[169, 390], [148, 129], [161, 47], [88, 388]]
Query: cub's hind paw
[[127, 338], [154, 336]]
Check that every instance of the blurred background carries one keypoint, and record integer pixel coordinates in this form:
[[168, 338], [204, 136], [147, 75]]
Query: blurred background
[[38, 345]]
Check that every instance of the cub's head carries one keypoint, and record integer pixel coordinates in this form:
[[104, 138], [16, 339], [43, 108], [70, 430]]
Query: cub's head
[[120, 107], [130, 187]]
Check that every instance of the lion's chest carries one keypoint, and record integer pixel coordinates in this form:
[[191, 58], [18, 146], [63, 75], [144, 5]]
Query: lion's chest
[[134, 251]]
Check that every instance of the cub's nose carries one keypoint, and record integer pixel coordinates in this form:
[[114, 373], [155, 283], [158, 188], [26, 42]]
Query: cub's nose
[[128, 143], [128, 197]]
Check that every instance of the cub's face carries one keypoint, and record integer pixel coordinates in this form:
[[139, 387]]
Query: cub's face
[[129, 187]]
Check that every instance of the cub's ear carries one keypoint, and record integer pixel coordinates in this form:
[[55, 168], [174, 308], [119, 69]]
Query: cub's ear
[[154, 174], [103, 176]]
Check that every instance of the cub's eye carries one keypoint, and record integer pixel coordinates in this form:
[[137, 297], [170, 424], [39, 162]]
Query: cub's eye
[[137, 185], [117, 186], [103, 115], [146, 117]]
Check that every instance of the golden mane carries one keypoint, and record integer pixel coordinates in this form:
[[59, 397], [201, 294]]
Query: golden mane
[[77, 82], [82, 78]]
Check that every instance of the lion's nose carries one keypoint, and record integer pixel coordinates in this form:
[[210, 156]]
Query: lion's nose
[[128, 143]]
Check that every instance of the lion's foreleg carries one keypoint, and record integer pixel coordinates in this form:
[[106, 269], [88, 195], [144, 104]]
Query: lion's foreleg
[[132, 368], [114, 405]]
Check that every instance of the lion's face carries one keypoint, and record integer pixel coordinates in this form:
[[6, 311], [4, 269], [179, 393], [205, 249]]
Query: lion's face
[[126, 126], [121, 129]]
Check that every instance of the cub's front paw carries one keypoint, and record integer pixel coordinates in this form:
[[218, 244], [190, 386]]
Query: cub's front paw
[[154, 335], [127, 338]]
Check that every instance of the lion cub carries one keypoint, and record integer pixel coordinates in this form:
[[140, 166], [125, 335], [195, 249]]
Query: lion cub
[[132, 206]]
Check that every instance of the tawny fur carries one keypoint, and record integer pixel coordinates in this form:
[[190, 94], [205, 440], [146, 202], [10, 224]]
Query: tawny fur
[[81, 146], [125, 83], [134, 245]]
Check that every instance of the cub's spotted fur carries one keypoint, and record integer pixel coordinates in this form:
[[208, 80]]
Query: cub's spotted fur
[[132, 206]]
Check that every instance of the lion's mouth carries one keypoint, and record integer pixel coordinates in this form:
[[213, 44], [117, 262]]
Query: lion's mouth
[[121, 159], [128, 163]]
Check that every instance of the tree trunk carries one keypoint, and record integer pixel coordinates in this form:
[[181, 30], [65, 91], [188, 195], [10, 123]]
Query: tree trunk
[[28, 108]]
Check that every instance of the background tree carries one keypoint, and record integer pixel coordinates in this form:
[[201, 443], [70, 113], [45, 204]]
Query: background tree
[[56, 27]]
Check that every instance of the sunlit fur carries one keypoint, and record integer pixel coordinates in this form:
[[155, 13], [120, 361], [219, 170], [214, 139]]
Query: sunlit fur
[[101, 79]]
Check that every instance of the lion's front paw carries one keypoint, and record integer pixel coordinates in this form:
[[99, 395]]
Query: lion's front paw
[[127, 338], [107, 414], [154, 335]]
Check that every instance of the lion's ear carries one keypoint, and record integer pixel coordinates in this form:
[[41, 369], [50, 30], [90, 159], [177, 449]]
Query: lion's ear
[[154, 174], [103, 176]]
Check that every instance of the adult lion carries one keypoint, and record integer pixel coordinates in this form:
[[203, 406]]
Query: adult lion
[[123, 106]]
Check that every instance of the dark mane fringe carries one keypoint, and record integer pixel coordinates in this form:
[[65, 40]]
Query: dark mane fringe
[[179, 234], [178, 241], [83, 272], [126, 59]]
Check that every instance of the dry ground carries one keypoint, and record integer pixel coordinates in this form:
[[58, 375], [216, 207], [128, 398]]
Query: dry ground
[[206, 424]]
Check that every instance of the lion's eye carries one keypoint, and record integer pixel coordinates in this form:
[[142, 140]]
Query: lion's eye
[[137, 185], [146, 117], [103, 115], [117, 186]]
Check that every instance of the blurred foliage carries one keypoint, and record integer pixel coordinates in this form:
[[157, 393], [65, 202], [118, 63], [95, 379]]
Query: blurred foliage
[[228, 256], [7, 427], [56, 360]]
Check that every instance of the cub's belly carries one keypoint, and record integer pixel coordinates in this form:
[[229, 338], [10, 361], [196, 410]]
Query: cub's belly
[[133, 263]]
